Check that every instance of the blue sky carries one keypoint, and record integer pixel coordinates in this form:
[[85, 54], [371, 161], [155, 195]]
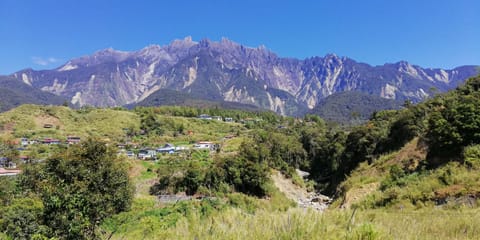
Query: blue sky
[[43, 34]]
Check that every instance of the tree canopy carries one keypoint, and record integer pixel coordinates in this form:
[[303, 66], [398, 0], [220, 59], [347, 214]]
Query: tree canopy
[[79, 187]]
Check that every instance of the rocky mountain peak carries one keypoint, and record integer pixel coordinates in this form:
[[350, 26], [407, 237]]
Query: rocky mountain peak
[[182, 43], [228, 71]]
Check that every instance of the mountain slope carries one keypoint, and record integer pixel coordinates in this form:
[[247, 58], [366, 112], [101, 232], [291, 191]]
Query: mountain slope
[[227, 71], [14, 93], [348, 107], [167, 97]]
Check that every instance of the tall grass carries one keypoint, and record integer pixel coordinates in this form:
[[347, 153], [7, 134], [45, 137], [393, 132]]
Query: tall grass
[[235, 223]]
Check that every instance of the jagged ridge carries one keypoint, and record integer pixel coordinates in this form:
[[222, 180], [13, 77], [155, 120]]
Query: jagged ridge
[[227, 71]]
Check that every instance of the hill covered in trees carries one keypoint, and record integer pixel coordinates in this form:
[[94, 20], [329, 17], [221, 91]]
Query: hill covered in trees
[[352, 107], [13, 93]]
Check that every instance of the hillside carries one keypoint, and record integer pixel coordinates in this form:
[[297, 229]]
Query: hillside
[[30, 120], [166, 97], [434, 159], [14, 93], [352, 107]]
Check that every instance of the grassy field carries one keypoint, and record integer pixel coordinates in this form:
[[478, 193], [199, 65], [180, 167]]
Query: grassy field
[[189, 221], [29, 120]]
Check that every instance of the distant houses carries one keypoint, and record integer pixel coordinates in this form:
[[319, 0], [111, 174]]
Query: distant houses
[[147, 154], [205, 145], [5, 163], [50, 141], [24, 142], [205, 117], [217, 118], [167, 148]]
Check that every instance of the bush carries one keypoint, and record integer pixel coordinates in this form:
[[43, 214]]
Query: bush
[[365, 231], [22, 218], [79, 187], [471, 156]]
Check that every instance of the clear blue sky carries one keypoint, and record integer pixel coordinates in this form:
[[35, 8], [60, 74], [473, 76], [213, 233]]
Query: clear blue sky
[[43, 34]]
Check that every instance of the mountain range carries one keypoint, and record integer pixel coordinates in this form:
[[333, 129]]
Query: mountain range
[[228, 72]]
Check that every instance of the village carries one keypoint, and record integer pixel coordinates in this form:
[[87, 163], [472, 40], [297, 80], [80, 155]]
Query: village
[[130, 149]]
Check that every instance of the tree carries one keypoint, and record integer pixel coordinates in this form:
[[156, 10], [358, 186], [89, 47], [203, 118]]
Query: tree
[[9, 150], [22, 218], [193, 179], [149, 124], [8, 189], [455, 124], [79, 188]]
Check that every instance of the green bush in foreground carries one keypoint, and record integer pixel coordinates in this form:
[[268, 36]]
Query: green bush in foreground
[[78, 188]]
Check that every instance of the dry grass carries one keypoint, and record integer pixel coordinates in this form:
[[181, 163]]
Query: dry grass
[[304, 224]]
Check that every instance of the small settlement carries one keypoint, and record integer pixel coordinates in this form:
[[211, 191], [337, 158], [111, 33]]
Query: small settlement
[[128, 149]]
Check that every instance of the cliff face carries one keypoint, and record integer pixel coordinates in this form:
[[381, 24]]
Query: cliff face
[[227, 71]]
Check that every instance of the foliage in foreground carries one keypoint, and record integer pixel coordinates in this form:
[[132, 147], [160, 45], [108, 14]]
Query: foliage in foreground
[[235, 223], [69, 195]]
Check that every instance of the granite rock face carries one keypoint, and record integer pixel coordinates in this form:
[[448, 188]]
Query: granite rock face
[[228, 71]]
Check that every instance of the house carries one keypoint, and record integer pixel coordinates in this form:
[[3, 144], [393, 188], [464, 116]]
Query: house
[[9, 172], [50, 141], [24, 142], [181, 148], [145, 154], [204, 145], [73, 140], [218, 118], [4, 162], [24, 159], [167, 148], [205, 117], [130, 154]]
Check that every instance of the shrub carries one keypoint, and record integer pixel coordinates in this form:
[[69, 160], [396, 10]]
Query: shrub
[[471, 156]]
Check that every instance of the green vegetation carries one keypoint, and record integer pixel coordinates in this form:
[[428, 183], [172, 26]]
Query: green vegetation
[[14, 93], [440, 165], [352, 108], [235, 223], [29, 121], [69, 195], [403, 174]]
